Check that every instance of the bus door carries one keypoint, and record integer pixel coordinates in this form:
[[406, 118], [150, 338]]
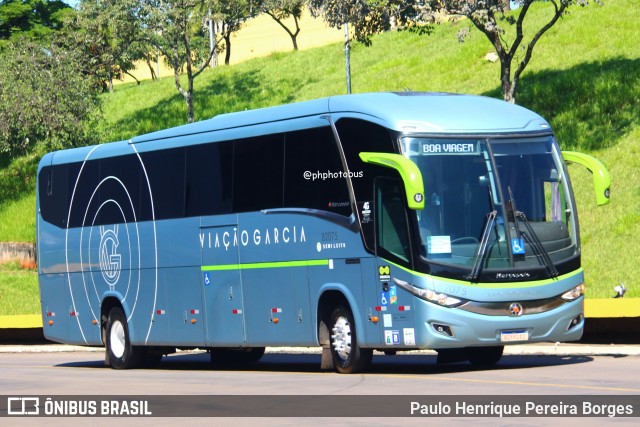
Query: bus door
[[394, 307], [222, 287]]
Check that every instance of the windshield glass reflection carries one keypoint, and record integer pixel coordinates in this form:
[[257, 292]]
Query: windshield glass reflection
[[492, 203]]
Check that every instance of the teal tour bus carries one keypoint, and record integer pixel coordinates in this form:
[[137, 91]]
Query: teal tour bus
[[381, 221]]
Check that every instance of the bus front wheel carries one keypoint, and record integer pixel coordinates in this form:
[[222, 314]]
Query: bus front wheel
[[348, 357], [122, 355]]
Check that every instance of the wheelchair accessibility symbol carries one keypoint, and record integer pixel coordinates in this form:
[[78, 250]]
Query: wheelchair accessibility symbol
[[207, 278], [384, 298], [517, 246]]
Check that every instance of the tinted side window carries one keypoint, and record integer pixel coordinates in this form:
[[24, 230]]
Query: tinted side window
[[391, 221], [79, 196], [314, 176], [257, 173], [53, 194], [166, 170], [120, 193], [208, 179], [361, 136]]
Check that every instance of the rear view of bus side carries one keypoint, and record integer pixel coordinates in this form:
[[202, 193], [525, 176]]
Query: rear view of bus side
[[386, 221]]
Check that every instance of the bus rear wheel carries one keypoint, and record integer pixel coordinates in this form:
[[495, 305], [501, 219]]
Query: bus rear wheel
[[121, 354], [484, 356], [348, 357]]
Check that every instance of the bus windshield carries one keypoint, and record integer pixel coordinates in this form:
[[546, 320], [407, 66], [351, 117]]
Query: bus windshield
[[493, 204]]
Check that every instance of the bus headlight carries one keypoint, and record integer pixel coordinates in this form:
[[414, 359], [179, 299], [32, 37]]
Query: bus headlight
[[574, 294], [429, 295]]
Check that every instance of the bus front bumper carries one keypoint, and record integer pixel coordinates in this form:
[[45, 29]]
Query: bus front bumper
[[456, 328]]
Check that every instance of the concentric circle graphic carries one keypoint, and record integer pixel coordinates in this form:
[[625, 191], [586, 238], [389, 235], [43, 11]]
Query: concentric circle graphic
[[105, 253]]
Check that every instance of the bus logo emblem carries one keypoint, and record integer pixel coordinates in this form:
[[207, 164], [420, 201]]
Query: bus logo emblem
[[516, 309], [110, 259]]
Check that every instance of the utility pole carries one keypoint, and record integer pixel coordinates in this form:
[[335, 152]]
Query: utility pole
[[212, 42]]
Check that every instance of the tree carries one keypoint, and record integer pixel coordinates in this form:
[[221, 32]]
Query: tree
[[228, 16], [46, 102], [36, 19], [280, 10], [109, 32], [175, 28], [369, 17], [366, 18], [489, 16]]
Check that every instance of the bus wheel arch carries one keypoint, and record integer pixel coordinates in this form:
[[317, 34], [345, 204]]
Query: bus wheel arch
[[338, 336]]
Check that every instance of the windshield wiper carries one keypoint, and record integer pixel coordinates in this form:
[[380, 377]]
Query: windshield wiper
[[536, 244], [531, 236], [482, 247]]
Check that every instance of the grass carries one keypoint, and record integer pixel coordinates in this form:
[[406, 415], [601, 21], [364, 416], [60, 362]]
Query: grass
[[15, 225], [610, 233], [18, 290], [584, 77]]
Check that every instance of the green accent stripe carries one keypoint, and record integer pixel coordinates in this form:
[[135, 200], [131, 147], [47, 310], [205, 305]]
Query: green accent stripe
[[280, 264], [529, 284]]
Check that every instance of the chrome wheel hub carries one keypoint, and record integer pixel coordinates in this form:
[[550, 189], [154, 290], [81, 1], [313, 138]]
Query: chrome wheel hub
[[341, 338], [117, 340]]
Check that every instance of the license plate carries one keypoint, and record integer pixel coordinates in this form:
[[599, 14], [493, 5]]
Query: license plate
[[508, 336]]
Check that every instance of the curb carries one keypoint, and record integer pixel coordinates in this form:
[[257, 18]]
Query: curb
[[611, 307], [513, 350]]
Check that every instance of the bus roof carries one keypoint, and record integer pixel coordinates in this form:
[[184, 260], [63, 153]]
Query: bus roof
[[406, 112], [400, 111]]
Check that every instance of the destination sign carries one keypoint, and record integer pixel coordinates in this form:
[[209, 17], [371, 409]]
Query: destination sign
[[442, 147]]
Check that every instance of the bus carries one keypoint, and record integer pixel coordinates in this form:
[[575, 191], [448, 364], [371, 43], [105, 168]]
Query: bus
[[380, 221]]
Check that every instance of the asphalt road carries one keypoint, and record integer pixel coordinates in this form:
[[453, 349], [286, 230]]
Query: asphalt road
[[536, 375]]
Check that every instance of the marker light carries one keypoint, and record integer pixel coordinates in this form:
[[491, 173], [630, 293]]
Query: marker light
[[574, 294], [429, 295]]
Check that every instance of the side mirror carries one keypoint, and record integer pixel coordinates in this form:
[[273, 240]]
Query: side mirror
[[601, 177], [409, 172]]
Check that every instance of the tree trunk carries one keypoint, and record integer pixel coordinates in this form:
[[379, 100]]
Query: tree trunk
[[151, 70], [110, 84], [189, 95], [133, 77], [508, 88], [294, 36], [227, 53]]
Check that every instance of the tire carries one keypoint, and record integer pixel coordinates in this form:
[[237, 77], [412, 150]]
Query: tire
[[484, 356], [235, 357], [348, 357], [121, 354]]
